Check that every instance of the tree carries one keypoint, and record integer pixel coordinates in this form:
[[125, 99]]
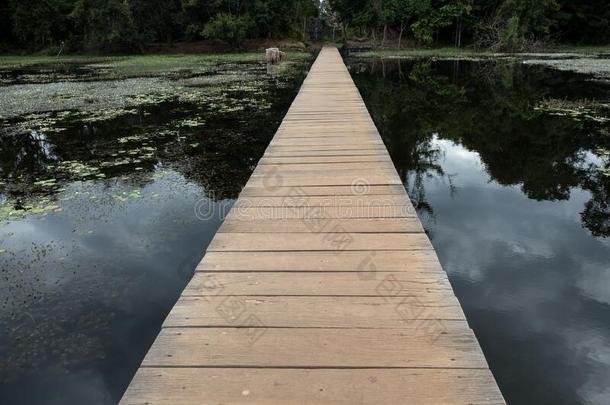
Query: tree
[[156, 20], [583, 21], [229, 28], [518, 22], [105, 25], [347, 11], [41, 22], [404, 11], [425, 28]]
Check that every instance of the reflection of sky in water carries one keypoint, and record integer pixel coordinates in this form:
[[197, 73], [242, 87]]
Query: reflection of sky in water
[[534, 283], [88, 283]]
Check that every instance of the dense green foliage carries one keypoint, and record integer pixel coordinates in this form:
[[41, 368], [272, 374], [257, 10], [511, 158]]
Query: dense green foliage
[[491, 24], [127, 25]]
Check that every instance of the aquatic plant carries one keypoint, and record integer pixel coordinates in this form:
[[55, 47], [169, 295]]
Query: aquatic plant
[[593, 110]]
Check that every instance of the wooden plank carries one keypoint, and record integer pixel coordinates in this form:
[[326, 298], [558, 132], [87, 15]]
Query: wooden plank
[[349, 261], [344, 152], [378, 284], [276, 188], [446, 344], [339, 180], [299, 167], [332, 241], [321, 218], [331, 168], [356, 174], [323, 159], [247, 386], [365, 225], [297, 200], [305, 312], [326, 142]]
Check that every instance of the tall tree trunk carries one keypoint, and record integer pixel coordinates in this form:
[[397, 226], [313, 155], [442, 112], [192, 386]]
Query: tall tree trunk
[[458, 32], [402, 29], [385, 33]]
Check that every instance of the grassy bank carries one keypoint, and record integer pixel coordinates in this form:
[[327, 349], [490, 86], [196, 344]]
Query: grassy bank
[[155, 62], [451, 52]]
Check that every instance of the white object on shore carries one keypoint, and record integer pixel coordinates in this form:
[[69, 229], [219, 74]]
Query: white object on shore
[[274, 55]]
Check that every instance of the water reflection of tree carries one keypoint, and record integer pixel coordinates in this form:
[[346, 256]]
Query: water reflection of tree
[[407, 129], [488, 107], [596, 215]]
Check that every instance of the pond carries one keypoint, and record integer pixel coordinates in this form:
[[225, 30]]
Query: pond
[[508, 165], [114, 177]]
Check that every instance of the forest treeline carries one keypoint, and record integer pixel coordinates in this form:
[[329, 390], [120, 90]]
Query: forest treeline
[[128, 25], [509, 25]]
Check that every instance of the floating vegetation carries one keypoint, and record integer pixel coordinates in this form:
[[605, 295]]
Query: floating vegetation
[[8, 212], [191, 123], [596, 68], [79, 170], [106, 115], [49, 122], [593, 110]]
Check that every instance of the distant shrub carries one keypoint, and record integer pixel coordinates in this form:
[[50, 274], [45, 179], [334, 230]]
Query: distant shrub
[[511, 38], [229, 28]]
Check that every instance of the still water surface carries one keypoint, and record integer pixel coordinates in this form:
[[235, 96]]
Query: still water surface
[[508, 167]]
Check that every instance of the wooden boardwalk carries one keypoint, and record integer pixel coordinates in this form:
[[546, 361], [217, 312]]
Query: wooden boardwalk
[[321, 286]]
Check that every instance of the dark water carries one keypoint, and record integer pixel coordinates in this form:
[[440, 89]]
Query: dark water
[[104, 220], [508, 167]]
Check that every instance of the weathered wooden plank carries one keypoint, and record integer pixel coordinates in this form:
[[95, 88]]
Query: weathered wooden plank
[[340, 152], [365, 225], [296, 167], [311, 312], [377, 284], [247, 386], [426, 343], [275, 187], [333, 241], [356, 174], [350, 261], [326, 142], [320, 218], [339, 180], [298, 200], [334, 168], [323, 159]]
